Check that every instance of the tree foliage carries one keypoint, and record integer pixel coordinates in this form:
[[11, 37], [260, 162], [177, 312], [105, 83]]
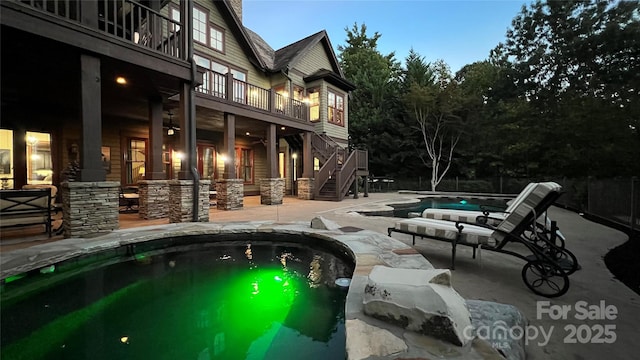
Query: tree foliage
[[559, 97]]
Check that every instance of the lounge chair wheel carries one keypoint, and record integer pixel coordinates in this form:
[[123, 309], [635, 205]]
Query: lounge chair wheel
[[545, 278]]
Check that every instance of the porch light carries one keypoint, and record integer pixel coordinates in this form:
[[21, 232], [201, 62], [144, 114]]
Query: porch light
[[247, 133], [171, 131], [121, 80], [283, 128]]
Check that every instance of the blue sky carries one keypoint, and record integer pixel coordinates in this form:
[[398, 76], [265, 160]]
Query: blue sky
[[457, 31]]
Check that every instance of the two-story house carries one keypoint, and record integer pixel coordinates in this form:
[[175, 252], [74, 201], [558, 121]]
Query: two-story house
[[137, 94]]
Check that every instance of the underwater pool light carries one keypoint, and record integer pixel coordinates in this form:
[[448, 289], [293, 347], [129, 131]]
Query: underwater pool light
[[463, 202]]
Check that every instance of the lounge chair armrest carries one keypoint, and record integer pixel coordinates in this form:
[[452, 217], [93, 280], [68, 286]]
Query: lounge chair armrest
[[486, 226]]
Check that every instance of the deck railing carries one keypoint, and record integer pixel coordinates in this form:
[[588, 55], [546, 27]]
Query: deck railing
[[127, 20], [224, 86]]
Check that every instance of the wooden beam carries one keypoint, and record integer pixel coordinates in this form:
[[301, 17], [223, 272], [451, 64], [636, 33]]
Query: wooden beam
[[229, 146], [91, 120], [307, 156], [154, 168], [272, 152]]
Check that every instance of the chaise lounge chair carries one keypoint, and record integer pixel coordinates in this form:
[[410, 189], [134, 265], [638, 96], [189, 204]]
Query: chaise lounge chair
[[494, 217], [547, 266]]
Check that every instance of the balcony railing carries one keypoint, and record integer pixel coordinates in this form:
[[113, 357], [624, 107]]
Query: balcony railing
[[224, 86], [125, 19]]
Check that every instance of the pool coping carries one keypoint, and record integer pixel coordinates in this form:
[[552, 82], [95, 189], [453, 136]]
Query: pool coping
[[369, 249]]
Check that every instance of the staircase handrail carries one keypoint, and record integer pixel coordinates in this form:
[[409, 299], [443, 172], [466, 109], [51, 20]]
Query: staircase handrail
[[346, 173], [325, 173]]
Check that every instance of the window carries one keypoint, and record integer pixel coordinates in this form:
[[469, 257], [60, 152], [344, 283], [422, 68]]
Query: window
[[216, 38], [39, 168], [135, 160], [6, 159], [206, 78], [239, 87], [206, 161], [199, 26], [244, 164], [335, 109], [175, 15], [298, 93], [314, 104]]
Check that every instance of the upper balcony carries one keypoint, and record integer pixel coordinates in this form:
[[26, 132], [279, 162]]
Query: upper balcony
[[224, 87], [121, 29]]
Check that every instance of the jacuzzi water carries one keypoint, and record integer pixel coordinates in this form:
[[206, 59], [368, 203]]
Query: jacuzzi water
[[236, 300], [449, 203]]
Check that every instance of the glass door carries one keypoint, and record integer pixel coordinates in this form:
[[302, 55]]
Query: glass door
[[39, 167]]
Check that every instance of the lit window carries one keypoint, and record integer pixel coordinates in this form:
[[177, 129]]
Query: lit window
[[199, 26], [314, 105], [175, 15], [244, 164], [206, 78], [335, 109], [216, 39], [135, 160]]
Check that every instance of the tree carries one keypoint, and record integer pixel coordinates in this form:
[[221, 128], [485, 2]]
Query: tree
[[373, 105], [432, 101], [575, 64]]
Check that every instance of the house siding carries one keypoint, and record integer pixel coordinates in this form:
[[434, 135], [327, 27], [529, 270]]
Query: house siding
[[234, 55], [314, 60]]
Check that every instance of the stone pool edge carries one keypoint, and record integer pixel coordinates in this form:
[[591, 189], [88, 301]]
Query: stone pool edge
[[369, 248]]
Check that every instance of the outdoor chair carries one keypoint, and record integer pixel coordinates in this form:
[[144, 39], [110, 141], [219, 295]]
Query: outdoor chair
[[494, 216], [547, 265], [129, 198]]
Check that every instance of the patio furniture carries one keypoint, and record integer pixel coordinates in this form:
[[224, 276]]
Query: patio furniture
[[547, 265], [494, 216], [129, 198], [26, 208]]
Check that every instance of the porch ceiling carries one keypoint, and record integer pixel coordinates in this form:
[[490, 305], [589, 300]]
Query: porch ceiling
[[42, 76]]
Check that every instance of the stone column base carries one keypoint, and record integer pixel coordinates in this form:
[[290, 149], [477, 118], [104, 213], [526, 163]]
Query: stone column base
[[89, 208], [229, 194], [271, 191], [306, 187], [181, 201], [153, 199]]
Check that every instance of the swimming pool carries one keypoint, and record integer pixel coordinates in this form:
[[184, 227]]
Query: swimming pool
[[183, 298], [455, 203]]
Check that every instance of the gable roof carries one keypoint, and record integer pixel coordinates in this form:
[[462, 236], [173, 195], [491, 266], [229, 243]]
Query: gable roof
[[265, 51], [267, 59]]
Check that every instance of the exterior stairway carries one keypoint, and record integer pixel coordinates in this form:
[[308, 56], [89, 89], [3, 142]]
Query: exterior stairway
[[340, 168]]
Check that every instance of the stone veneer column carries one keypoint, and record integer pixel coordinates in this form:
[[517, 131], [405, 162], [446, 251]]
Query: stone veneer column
[[229, 193], [89, 208], [153, 199], [306, 188], [181, 201], [271, 191]]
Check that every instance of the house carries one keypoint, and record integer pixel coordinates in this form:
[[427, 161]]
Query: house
[[110, 85]]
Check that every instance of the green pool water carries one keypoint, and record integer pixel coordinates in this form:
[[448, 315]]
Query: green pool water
[[236, 301]]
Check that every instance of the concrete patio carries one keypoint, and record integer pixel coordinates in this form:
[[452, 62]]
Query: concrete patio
[[494, 277]]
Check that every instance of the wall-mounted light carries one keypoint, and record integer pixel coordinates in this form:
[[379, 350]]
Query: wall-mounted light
[[247, 133], [172, 130], [294, 155], [223, 158], [121, 80], [283, 128]]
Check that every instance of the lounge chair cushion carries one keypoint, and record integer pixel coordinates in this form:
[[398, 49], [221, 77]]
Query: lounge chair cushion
[[471, 234], [533, 201], [461, 215]]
